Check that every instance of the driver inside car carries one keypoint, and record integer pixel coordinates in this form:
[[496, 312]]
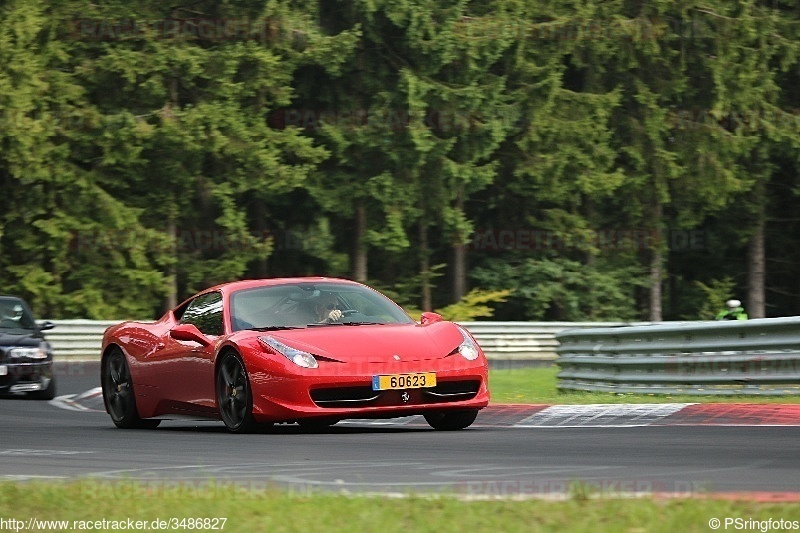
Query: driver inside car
[[326, 308], [11, 315]]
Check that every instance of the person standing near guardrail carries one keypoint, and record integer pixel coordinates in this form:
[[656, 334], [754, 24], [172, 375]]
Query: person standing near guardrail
[[732, 311]]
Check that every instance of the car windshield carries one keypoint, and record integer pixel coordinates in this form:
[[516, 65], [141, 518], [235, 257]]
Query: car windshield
[[300, 305], [14, 315]]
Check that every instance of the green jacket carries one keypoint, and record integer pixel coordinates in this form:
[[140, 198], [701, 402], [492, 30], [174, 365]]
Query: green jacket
[[737, 313]]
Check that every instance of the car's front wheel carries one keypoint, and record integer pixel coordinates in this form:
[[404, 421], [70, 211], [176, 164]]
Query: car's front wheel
[[451, 420], [120, 401], [234, 397]]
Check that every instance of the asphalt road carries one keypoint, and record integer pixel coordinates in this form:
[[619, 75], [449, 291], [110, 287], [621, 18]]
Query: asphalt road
[[39, 439]]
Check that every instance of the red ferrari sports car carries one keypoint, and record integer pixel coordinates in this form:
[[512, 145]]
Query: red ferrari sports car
[[307, 350]]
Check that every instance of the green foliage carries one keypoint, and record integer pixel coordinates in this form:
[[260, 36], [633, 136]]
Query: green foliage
[[562, 289], [320, 134], [475, 304], [716, 293]]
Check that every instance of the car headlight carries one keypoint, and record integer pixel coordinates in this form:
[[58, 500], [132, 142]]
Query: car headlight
[[28, 353], [468, 349], [298, 357]]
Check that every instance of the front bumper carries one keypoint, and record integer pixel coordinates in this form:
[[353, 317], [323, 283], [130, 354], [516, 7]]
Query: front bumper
[[25, 377], [326, 392]]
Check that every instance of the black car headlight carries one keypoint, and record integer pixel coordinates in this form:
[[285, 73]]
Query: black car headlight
[[29, 352]]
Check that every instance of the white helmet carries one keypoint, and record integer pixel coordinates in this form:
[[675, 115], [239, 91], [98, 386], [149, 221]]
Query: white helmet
[[14, 314], [733, 303]]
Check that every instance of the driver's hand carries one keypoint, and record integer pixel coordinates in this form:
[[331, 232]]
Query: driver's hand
[[335, 315]]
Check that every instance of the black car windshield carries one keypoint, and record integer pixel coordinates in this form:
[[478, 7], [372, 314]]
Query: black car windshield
[[15, 315], [306, 304]]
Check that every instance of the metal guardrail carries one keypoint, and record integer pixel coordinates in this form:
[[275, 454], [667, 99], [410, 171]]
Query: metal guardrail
[[754, 357], [77, 338], [522, 341], [732, 357]]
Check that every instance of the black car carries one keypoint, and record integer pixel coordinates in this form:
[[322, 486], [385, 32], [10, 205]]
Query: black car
[[26, 359]]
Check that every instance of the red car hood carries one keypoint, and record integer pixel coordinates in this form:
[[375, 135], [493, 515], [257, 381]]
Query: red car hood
[[375, 343]]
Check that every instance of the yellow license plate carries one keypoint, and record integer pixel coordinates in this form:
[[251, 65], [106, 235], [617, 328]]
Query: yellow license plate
[[404, 381]]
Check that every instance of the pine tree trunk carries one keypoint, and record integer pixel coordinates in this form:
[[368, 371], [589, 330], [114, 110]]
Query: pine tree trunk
[[425, 267], [261, 267], [756, 263], [656, 277], [172, 231], [359, 246], [459, 257], [459, 271], [172, 275], [657, 266]]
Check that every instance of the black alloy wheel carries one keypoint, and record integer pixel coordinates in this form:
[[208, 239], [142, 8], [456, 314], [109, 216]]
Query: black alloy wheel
[[118, 396], [234, 397], [451, 420]]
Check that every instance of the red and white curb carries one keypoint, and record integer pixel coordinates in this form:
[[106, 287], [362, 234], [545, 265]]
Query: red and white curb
[[601, 415], [564, 416], [85, 401], [638, 415]]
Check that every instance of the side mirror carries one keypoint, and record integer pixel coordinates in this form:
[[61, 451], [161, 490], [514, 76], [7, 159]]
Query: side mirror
[[44, 326], [429, 318], [188, 332]]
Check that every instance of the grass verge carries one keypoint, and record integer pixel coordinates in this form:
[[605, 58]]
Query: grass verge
[[538, 385], [275, 511]]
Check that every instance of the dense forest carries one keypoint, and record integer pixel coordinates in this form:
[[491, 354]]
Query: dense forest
[[548, 159]]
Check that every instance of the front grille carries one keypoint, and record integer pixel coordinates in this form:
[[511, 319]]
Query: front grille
[[344, 396], [454, 390], [443, 392]]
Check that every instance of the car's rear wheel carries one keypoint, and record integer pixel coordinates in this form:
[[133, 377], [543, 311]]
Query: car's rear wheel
[[234, 397], [118, 395], [451, 420]]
